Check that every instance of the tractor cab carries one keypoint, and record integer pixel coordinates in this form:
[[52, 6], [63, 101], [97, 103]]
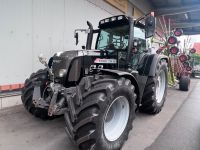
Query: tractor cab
[[121, 39]]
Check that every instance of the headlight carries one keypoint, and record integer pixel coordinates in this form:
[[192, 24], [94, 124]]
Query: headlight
[[62, 72]]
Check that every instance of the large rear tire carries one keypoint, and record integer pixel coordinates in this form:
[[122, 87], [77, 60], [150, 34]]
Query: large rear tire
[[105, 117], [155, 91], [184, 83], [27, 94]]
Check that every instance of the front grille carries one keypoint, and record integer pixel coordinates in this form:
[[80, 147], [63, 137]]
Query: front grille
[[58, 64]]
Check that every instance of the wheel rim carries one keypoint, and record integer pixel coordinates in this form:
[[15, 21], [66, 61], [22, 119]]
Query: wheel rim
[[160, 87], [116, 118]]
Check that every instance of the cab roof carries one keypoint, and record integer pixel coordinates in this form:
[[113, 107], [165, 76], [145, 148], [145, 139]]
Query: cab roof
[[113, 21]]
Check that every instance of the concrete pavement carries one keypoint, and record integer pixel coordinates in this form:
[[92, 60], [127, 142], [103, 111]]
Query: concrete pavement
[[183, 131], [10, 101], [20, 130]]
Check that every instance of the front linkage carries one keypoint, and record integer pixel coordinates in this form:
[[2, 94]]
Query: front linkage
[[62, 99]]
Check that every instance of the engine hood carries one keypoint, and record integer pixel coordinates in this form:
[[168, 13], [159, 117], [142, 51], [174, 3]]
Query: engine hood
[[76, 53], [65, 61]]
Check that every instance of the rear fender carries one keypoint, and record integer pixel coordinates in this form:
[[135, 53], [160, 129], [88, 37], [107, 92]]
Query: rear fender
[[125, 75], [147, 66]]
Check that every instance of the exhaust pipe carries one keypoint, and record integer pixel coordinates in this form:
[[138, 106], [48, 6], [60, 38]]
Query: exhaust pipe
[[90, 36]]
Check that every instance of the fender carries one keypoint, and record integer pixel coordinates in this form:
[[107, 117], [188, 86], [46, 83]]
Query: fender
[[126, 75], [147, 66]]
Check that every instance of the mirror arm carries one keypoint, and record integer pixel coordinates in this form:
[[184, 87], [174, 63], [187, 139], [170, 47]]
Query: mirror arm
[[141, 18], [96, 31], [81, 30]]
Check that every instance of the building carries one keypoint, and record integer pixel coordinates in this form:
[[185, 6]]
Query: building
[[31, 27]]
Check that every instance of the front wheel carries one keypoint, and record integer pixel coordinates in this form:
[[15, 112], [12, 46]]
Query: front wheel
[[155, 90], [27, 94], [105, 116]]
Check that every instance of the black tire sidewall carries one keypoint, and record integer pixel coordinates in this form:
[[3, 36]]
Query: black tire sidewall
[[40, 75], [184, 84]]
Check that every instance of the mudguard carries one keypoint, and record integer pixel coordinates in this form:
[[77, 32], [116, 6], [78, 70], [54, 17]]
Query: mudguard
[[126, 75], [147, 65]]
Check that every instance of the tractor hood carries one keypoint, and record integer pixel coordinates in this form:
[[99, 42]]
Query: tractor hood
[[76, 53], [69, 64]]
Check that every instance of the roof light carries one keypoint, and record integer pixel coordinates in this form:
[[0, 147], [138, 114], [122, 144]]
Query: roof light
[[120, 18], [102, 22], [106, 20], [113, 18]]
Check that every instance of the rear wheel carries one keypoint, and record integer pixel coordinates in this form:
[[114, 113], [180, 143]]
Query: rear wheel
[[184, 83], [155, 91], [105, 117], [27, 93]]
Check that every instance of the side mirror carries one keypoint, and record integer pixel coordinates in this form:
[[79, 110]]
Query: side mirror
[[43, 60], [150, 25], [76, 37]]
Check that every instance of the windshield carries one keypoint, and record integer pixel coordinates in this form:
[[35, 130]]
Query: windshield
[[114, 38]]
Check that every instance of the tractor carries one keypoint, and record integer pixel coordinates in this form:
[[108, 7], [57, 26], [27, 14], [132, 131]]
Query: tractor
[[99, 90]]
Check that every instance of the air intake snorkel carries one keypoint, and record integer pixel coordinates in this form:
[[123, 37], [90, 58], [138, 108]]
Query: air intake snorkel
[[90, 36]]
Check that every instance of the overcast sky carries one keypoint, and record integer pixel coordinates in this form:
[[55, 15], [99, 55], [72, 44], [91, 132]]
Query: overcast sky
[[192, 40], [195, 38]]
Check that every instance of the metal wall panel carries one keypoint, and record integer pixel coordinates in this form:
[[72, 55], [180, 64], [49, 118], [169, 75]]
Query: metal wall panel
[[48, 28], [15, 40]]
